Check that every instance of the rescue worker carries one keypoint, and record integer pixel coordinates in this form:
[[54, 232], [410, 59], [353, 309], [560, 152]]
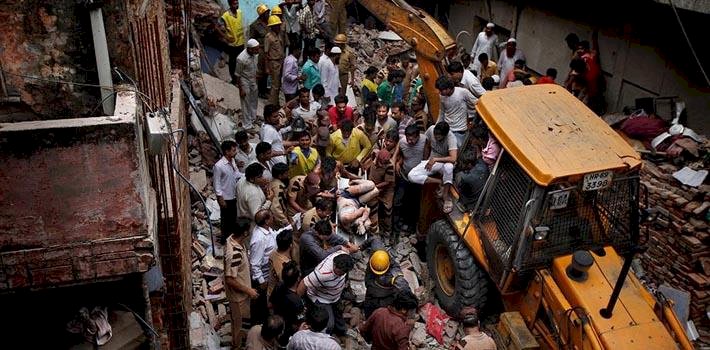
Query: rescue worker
[[237, 281], [232, 30], [258, 30], [278, 12], [279, 205], [274, 51], [346, 66], [322, 210], [383, 278], [304, 158], [338, 16], [246, 79]]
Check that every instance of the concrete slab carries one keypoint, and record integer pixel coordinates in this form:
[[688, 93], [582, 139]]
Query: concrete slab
[[224, 95]]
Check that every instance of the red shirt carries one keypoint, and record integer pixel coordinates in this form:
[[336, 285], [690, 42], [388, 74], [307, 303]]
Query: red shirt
[[336, 119], [387, 330], [593, 73], [545, 80]]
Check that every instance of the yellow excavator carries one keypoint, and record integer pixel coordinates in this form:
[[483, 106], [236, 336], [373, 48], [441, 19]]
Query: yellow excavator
[[556, 226]]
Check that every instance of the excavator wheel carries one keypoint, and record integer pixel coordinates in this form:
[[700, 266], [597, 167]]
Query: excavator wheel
[[458, 280]]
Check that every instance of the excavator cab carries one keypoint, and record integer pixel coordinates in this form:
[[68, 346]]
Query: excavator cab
[[553, 232]]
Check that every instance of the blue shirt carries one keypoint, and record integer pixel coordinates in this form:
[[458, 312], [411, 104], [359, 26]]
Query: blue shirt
[[312, 73]]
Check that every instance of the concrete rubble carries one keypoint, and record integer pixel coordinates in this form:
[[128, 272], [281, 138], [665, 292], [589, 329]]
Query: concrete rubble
[[371, 50]]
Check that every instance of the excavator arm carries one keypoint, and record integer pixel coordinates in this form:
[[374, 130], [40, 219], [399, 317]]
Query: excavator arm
[[428, 38]]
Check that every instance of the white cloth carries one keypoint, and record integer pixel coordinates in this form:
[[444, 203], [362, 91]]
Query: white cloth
[[244, 158], [309, 340], [506, 64], [261, 245], [472, 84], [250, 199], [269, 134], [323, 285], [419, 174], [267, 170], [252, 43], [224, 178], [456, 108], [246, 71], [308, 114], [329, 77], [484, 44]]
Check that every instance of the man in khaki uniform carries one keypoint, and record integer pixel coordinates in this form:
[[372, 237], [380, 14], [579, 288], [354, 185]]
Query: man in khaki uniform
[[238, 279], [322, 210], [346, 66], [279, 173], [274, 51], [338, 15], [258, 30]]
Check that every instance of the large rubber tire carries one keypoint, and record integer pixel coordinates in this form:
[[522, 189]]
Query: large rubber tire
[[470, 283]]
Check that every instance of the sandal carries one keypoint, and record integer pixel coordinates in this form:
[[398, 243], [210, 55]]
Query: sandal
[[448, 206]]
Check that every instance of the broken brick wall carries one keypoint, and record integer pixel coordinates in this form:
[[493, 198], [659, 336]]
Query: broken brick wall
[[75, 203]]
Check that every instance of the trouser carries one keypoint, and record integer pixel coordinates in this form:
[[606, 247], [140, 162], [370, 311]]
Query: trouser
[[261, 76], [259, 306], [344, 80], [336, 323], [337, 21], [325, 31], [249, 103], [238, 311], [406, 201], [275, 67], [228, 217], [385, 215], [294, 38], [419, 174], [232, 52], [460, 137]]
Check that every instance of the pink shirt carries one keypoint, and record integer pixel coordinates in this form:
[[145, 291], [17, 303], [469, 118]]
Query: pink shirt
[[491, 151]]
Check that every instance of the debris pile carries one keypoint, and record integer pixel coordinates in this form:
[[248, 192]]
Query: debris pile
[[370, 50], [679, 249]]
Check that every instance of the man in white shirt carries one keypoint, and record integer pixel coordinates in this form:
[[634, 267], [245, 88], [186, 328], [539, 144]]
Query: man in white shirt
[[306, 109], [457, 105], [325, 285], [269, 133], [225, 176], [245, 152], [486, 42], [440, 151], [329, 74], [245, 76], [261, 245], [506, 63], [465, 79], [250, 196]]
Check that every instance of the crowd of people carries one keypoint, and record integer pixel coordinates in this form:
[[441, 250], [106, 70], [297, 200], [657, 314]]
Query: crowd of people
[[326, 180]]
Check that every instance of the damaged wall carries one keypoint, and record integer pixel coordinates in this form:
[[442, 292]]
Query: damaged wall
[[642, 56], [76, 206]]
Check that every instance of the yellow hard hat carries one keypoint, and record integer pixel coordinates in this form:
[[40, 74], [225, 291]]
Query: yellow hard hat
[[340, 39], [276, 10], [274, 20], [261, 9], [379, 262]]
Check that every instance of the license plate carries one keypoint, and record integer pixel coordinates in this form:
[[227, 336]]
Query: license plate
[[558, 200], [597, 181]]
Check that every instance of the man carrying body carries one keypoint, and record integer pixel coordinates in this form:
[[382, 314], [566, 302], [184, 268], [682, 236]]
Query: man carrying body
[[348, 145], [245, 75], [441, 150], [319, 242], [300, 191], [322, 210]]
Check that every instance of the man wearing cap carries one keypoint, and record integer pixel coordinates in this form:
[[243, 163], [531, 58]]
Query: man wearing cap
[[486, 42], [258, 30], [329, 76], [338, 16], [245, 75], [278, 12], [232, 30], [383, 278], [274, 51], [506, 63], [346, 67]]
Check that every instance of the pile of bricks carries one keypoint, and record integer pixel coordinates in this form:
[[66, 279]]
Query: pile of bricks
[[679, 249]]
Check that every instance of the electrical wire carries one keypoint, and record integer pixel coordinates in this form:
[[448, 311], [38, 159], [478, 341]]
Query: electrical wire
[[687, 39]]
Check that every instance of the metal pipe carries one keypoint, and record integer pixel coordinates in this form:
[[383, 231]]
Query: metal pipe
[[103, 64], [609, 309], [675, 325]]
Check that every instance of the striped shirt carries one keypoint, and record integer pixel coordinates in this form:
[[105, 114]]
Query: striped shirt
[[323, 285]]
